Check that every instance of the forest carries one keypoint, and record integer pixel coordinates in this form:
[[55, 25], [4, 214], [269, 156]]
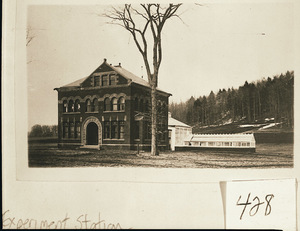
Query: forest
[[268, 99], [43, 131]]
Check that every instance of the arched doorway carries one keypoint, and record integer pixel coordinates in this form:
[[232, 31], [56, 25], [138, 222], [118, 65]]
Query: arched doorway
[[92, 134]]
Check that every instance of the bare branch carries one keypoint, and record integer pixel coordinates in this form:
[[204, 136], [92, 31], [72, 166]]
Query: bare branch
[[154, 17]]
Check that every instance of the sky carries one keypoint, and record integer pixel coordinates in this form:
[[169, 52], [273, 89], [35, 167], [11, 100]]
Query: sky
[[213, 46]]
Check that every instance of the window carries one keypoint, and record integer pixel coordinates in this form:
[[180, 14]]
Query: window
[[107, 104], [77, 131], [106, 129], [164, 108], [72, 130], [105, 80], [71, 106], [113, 80], [114, 104], [65, 130], [77, 105], [141, 105], [136, 129], [122, 104], [147, 106], [147, 130], [160, 131], [121, 129], [97, 81], [65, 106], [136, 104], [159, 108], [88, 105], [114, 129], [94, 106]]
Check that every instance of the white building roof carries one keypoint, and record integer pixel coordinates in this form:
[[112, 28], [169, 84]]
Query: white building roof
[[176, 123], [240, 137]]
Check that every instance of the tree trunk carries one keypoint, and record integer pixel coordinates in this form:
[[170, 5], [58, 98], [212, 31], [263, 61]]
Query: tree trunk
[[154, 150]]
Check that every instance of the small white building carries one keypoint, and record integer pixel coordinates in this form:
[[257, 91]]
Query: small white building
[[178, 132]]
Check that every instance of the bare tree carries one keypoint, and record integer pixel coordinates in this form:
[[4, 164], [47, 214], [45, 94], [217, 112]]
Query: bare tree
[[154, 17]]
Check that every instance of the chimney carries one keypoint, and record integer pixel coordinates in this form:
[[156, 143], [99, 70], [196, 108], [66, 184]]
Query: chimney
[[119, 64], [105, 59]]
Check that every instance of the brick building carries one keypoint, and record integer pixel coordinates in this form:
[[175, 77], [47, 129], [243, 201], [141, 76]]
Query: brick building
[[110, 108]]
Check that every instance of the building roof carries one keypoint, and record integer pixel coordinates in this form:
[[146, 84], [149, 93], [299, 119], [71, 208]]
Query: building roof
[[176, 123], [240, 137], [121, 71], [130, 76], [76, 83]]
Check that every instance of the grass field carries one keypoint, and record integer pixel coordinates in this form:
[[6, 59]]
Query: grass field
[[268, 155]]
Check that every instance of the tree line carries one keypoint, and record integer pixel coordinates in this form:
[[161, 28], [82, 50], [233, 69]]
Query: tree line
[[43, 131], [268, 98]]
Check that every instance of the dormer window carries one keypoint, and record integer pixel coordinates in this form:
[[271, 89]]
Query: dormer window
[[105, 80], [113, 80], [97, 81]]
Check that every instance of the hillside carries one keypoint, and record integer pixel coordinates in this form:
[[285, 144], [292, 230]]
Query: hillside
[[260, 102]]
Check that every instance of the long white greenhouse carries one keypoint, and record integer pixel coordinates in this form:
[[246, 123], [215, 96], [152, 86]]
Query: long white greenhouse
[[240, 141]]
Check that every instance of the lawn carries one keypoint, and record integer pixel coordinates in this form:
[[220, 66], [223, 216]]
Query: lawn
[[267, 155]]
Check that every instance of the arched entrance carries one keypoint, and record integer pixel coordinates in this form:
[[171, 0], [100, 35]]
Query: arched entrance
[[92, 134]]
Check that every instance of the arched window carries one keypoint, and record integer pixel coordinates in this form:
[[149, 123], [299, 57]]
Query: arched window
[[88, 105], [71, 106], [114, 104], [159, 107], [147, 106], [141, 105], [136, 104], [164, 108], [107, 104], [121, 103], [77, 105], [65, 106], [95, 105]]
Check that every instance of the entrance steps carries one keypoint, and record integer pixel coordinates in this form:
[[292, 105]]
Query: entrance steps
[[90, 147]]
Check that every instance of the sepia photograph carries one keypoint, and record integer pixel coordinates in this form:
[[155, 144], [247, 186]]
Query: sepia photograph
[[161, 85], [142, 115]]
